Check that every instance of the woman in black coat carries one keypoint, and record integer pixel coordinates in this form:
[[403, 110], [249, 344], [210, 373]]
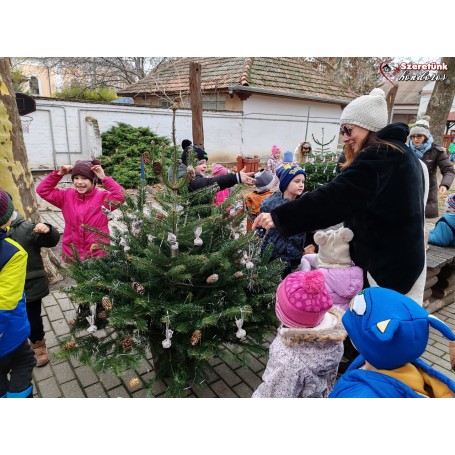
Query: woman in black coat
[[379, 195]]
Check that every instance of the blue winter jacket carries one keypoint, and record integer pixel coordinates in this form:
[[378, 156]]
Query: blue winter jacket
[[357, 383], [289, 249], [443, 233], [14, 325]]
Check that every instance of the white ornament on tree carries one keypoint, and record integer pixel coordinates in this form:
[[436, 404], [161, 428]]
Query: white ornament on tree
[[91, 319], [241, 333], [167, 342], [197, 232]]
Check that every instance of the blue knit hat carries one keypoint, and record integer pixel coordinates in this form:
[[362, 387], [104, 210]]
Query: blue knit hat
[[286, 173], [390, 329], [288, 157]]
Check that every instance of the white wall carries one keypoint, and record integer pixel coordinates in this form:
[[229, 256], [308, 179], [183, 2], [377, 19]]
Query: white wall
[[59, 133]]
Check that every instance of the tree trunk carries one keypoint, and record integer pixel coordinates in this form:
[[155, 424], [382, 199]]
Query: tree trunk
[[441, 100], [196, 104], [15, 174]]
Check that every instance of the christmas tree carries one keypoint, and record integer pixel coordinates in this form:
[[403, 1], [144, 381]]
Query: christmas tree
[[180, 281]]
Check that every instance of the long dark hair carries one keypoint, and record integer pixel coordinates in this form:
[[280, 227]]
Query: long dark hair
[[371, 139]]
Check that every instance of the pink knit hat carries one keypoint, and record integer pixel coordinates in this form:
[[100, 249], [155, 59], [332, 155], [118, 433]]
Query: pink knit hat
[[302, 299], [275, 150], [218, 169]]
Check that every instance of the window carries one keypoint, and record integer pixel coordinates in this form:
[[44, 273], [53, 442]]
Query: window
[[213, 102], [34, 85]]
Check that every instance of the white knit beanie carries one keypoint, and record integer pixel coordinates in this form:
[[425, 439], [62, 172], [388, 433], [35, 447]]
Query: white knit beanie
[[367, 111], [422, 126], [333, 250]]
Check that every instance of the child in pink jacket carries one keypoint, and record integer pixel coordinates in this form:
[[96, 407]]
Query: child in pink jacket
[[343, 279], [82, 205], [217, 170]]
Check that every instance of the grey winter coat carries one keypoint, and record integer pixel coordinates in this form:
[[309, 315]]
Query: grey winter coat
[[436, 158], [304, 362], [36, 281]]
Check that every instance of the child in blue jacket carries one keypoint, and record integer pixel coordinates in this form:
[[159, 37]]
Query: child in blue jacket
[[443, 233], [17, 359], [390, 331]]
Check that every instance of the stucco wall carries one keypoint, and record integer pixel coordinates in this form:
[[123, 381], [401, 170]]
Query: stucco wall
[[59, 133]]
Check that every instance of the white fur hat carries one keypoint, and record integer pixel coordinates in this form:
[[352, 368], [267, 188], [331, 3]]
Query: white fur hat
[[422, 126], [367, 111], [334, 248]]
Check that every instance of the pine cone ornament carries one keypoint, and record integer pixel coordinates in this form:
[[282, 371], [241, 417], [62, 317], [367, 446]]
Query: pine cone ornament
[[95, 247], [157, 168], [106, 302], [127, 344], [212, 278], [138, 287], [238, 274], [196, 337], [134, 382], [69, 345], [146, 158]]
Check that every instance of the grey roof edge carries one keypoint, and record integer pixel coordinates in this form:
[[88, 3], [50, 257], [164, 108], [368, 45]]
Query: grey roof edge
[[266, 91]]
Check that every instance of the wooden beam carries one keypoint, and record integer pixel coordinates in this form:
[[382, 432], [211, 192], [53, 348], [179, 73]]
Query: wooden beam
[[196, 104]]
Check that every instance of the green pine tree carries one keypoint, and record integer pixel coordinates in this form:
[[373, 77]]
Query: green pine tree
[[176, 283]]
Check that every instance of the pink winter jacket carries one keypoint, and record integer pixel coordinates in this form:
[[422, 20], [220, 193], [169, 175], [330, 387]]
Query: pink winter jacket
[[342, 283], [79, 209]]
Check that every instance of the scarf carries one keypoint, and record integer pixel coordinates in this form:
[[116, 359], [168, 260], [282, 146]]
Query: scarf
[[421, 149]]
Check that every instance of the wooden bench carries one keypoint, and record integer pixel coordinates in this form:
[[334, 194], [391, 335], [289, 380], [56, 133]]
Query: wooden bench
[[440, 281]]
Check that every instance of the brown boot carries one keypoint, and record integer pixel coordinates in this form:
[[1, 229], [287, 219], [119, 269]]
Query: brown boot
[[41, 352]]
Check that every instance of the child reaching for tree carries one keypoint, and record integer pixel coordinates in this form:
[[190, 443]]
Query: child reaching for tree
[[304, 356], [290, 250], [84, 204]]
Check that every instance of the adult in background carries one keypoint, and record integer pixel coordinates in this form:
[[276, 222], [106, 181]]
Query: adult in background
[[434, 156], [301, 152], [379, 195]]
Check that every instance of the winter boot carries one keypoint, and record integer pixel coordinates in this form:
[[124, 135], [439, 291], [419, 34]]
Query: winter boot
[[41, 352]]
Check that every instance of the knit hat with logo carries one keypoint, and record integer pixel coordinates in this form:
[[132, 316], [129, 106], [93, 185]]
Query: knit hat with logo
[[367, 111], [286, 173], [422, 126], [6, 207], [302, 299], [84, 168]]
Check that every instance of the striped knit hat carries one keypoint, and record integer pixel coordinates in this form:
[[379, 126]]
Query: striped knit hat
[[6, 207], [450, 203]]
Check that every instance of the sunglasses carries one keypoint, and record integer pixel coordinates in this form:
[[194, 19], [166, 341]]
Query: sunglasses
[[345, 131], [418, 136]]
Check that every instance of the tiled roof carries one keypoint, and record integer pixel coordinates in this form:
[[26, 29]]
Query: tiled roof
[[288, 75]]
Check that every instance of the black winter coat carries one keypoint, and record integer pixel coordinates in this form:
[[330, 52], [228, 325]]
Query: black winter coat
[[379, 196], [36, 281]]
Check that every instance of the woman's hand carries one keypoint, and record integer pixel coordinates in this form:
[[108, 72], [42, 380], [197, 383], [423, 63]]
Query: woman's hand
[[442, 191], [263, 220], [247, 177]]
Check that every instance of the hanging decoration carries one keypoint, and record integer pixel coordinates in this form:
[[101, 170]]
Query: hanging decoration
[[197, 232], [167, 342], [196, 337], [241, 333], [212, 278], [91, 319]]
